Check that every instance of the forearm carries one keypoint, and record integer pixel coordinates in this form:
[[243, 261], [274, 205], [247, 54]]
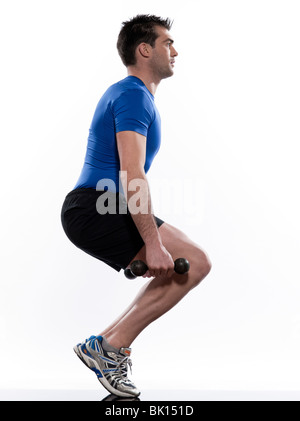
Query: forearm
[[137, 193]]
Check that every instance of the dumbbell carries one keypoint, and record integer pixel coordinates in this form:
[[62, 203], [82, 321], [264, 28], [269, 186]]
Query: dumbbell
[[139, 268]]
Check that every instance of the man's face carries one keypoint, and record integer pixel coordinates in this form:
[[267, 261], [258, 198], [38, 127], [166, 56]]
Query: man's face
[[163, 54]]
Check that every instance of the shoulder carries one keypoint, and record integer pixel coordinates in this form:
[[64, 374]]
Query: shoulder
[[136, 97], [131, 89], [136, 93], [133, 100]]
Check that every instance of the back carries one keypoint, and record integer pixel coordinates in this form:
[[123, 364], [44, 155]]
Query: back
[[126, 105]]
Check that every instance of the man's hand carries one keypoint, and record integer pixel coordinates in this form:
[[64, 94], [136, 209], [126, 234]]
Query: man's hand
[[159, 261]]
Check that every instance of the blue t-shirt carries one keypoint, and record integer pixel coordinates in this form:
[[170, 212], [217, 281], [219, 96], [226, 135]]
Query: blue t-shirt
[[126, 105]]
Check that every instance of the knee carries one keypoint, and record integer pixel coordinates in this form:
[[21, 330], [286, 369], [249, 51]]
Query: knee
[[200, 266], [207, 265]]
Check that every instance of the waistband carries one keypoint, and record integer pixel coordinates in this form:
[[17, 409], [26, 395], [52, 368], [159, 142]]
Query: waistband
[[89, 190]]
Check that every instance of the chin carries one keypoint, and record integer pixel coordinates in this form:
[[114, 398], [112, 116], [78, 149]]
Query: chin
[[165, 75]]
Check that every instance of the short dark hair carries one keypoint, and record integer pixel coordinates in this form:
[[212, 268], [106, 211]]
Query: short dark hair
[[139, 29]]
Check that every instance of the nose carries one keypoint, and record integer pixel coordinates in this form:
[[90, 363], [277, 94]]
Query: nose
[[174, 52]]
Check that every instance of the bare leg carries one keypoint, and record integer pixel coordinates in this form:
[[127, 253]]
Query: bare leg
[[159, 295]]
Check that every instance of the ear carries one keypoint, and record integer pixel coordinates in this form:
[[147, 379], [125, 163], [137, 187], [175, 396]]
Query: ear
[[144, 49]]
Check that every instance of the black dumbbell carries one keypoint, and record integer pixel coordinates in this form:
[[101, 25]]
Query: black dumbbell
[[139, 268]]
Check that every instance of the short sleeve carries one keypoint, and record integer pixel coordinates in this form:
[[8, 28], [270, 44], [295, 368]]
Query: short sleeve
[[133, 110]]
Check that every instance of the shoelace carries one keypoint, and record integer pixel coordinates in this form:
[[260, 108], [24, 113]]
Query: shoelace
[[122, 365]]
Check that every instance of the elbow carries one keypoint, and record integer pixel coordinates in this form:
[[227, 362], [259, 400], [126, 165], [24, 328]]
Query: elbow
[[130, 173]]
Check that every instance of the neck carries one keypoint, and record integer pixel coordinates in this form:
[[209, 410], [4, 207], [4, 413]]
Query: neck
[[148, 79]]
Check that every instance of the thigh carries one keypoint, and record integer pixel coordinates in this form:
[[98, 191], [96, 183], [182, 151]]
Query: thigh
[[178, 245], [111, 237]]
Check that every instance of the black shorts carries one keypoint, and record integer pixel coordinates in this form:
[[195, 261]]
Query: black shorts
[[111, 238]]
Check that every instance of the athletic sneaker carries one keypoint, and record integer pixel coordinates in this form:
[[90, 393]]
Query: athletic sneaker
[[109, 364]]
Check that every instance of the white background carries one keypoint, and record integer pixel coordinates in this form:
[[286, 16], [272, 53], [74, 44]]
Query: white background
[[230, 118]]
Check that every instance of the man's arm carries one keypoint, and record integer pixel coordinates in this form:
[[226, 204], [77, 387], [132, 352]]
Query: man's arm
[[132, 154]]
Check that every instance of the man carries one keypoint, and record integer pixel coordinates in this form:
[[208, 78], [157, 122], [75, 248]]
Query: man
[[123, 139]]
